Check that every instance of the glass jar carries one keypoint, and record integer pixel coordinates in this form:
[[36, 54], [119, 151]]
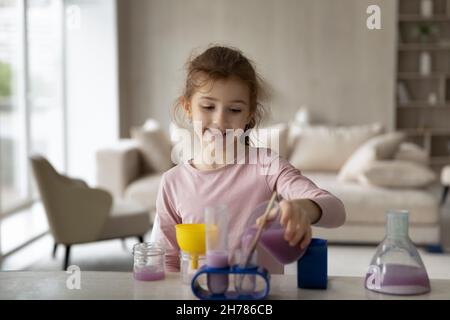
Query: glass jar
[[149, 262], [186, 266]]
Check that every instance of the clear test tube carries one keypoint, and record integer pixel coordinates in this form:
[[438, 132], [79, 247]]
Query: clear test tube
[[245, 284], [216, 227]]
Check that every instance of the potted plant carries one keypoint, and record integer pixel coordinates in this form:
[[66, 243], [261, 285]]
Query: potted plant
[[425, 32]]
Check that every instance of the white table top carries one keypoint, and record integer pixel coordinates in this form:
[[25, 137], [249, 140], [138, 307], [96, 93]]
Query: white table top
[[121, 285]]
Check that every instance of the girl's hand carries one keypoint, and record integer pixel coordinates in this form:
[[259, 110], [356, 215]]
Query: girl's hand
[[296, 222], [297, 216]]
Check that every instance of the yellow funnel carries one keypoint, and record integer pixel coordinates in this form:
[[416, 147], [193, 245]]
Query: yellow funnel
[[191, 239]]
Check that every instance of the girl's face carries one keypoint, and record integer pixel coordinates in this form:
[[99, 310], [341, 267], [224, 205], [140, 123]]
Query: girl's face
[[220, 105]]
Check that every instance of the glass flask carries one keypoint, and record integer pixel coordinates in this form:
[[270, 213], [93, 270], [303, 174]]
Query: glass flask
[[272, 238], [396, 267]]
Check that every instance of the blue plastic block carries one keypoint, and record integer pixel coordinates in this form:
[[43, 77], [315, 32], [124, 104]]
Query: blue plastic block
[[312, 267], [437, 248]]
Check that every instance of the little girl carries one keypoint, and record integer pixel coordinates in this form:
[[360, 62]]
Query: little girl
[[221, 97]]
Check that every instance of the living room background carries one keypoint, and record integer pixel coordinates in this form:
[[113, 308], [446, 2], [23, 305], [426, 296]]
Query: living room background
[[94, 98], [315, 53]]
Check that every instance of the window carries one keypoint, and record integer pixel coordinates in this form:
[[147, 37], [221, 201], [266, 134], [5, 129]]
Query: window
[[58, 97], [45, 79], [31, 94], [13, 178]]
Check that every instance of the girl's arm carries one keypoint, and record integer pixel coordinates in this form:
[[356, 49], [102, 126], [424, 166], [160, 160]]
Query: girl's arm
[[292, 185], [164, 229], [304, 203]]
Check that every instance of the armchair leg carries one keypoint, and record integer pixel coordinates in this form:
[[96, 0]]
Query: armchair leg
[[55, 247], [67, 257], [444, 195], [141, 239]]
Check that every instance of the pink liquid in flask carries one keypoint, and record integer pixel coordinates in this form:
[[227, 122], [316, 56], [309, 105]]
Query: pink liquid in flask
[[402, 280]]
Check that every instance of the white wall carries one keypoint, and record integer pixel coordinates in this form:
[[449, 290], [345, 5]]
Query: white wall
[[92, 85], [317, 52]]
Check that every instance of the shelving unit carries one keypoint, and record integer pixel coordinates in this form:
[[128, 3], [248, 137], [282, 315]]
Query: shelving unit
[[423, 76]]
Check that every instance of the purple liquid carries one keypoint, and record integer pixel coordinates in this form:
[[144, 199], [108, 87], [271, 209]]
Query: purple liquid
[[217, 283], [273, 241], [401, 280], [148, 274]]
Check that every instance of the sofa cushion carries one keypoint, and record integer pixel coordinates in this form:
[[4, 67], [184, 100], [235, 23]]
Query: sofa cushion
[[154, 145], [327, 148], [368, 204], [397, 174], [144, 191], [381, 147], [409, 151]]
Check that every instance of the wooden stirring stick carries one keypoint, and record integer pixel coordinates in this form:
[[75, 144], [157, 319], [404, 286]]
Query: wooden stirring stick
[[260, 229]]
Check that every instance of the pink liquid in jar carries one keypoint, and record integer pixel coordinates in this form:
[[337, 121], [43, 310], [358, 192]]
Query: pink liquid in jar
[[273, 241], [217, 283], [148, 274]]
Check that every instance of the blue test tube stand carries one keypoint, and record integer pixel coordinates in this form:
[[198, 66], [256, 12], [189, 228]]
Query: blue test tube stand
[[312, 273]]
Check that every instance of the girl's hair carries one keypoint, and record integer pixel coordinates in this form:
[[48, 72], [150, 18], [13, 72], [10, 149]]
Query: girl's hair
[[219, 62]]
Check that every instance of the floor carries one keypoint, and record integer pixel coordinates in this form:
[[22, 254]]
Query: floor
[[115, 255], [17, 229]]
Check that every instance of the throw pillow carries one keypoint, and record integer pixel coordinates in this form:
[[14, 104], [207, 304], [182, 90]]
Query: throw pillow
[[409, 151], [381, 147], [327, 148], [154, 145], [396, 174]]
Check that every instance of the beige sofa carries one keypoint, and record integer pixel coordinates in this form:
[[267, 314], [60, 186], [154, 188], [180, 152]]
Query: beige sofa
[[366, 207], [121, 170]]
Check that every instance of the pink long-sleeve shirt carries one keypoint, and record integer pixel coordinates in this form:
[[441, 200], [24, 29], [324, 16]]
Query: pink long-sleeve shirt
[[185, 192]]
